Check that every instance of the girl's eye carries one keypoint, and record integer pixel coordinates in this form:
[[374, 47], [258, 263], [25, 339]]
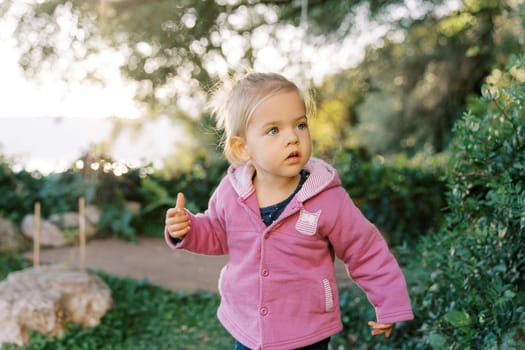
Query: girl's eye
[[302, 126], [273, 131]]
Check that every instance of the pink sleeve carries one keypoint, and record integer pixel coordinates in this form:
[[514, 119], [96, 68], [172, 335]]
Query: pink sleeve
[[370, 263]]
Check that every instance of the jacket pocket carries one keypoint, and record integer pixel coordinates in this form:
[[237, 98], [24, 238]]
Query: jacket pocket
[[328, 296], [307, 222]]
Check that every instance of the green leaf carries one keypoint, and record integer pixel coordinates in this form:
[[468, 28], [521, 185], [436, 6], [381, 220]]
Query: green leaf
[[437, 341], [457, 318]]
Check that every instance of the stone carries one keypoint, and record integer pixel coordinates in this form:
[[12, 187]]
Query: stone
[[10, 236], [50, 234], [65, 220], [93, 214], [45, 299], [68, 223], [62, 229]]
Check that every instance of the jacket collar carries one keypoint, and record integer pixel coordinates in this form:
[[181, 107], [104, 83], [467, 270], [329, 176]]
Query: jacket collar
[[322, 176]]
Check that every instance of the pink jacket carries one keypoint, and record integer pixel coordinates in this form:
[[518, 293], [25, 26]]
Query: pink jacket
[[278, 289]]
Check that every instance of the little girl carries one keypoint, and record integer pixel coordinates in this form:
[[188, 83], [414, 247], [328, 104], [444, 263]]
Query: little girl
[[282, 216]]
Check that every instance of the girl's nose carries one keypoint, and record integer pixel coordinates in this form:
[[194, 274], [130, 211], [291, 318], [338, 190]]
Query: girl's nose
[[292, 137]]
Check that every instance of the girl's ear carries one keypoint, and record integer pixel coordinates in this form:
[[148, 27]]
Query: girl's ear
[[238, 146]]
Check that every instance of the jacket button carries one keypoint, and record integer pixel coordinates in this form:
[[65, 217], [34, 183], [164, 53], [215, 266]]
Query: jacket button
[[264, 311], [265, 272]]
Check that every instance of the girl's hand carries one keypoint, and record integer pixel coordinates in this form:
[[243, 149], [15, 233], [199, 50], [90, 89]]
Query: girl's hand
[[177, 221], [378, 328]]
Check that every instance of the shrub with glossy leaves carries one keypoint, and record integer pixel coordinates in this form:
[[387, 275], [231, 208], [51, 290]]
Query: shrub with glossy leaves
[[467, 280], [476, 292]]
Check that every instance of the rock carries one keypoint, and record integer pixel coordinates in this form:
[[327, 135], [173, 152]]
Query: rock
[[50, 234], [65, 220], [93, 214], [10, 237], [46, 298], [62, 229], [68, 223]]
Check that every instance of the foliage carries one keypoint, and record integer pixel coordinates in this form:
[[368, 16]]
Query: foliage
[[476, 290], [160, 193], [406, 94], [336, 117], [18, 191], [466, 280], [59, 193], [164, 41], [11, 262], [172, 51]]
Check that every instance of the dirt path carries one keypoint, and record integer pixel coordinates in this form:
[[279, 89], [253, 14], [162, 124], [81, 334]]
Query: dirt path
[[151, 259]]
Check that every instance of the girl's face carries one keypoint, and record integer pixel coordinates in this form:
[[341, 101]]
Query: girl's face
[[277, 137]]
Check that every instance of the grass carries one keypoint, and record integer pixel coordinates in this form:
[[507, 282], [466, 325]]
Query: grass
[[143, 316]]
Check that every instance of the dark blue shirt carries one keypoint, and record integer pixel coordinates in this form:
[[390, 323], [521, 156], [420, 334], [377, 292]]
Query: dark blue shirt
[[270, 213]]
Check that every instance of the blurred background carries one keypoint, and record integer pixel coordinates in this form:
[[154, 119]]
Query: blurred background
[[130, 79]]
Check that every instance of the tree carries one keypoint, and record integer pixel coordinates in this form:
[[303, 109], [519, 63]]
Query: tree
[[406, 94], [171, 48], [413, 83]]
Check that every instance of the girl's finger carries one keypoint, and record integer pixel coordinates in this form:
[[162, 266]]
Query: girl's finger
[[180, 201]]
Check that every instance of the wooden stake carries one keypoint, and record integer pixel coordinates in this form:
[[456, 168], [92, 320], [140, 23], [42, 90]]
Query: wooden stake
[[36, 236], [82, 232]]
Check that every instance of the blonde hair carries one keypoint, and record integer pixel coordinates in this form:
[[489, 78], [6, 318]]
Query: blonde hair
[[234, 102]]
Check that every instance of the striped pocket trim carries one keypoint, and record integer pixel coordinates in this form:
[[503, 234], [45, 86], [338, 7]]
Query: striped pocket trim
[[328, 296], [307, 222]]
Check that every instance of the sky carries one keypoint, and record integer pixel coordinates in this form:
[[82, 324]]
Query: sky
[[47, 125]]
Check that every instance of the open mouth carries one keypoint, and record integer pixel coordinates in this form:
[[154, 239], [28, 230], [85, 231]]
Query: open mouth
[[293, 155]]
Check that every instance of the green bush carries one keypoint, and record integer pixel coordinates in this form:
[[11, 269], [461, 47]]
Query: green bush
[[467, 280], [159, 194], [19, 191], [10, 262], [475, 296], [403, 197]]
